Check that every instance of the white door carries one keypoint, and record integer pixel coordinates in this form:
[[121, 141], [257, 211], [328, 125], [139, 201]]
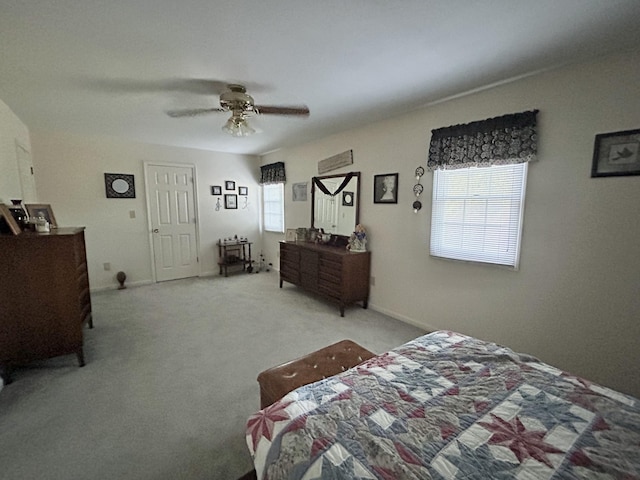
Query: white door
[[326, 207], [170, 196], [25, 168]]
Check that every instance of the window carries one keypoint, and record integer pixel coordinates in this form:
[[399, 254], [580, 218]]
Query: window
[[273, 207], [477, 213]]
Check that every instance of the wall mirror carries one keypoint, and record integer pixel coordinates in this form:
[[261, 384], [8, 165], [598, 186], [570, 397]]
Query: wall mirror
[[335, 203]]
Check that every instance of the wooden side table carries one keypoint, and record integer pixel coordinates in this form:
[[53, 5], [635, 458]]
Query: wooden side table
[[234, 254]]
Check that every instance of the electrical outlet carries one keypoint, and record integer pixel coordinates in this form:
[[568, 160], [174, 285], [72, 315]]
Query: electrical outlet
[[107, 266], [373, 281], [132, 214]]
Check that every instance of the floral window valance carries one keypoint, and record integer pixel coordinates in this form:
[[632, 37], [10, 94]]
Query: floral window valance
[[501, 140], [272, 173]]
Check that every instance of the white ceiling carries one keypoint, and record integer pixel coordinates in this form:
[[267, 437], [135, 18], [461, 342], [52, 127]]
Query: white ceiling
[[114, 67]]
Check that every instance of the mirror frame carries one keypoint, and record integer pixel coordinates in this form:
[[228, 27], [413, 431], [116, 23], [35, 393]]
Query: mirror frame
[[338, 175]]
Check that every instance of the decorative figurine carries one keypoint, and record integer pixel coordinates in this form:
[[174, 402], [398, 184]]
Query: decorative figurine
[[121, 277], [358, 240]]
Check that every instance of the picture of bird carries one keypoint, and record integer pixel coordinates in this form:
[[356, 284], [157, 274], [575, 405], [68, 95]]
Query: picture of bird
[[623, 153]]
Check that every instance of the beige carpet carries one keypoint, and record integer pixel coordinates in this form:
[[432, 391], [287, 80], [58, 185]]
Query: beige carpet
[[170, 379]]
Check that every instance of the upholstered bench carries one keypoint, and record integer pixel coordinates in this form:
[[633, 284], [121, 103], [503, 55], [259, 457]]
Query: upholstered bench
[[276, 382]]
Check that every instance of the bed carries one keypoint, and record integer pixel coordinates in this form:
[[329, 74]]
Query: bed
[[447, 406]]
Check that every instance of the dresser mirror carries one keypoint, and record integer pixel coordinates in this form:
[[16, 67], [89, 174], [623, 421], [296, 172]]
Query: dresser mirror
[[335, 203]]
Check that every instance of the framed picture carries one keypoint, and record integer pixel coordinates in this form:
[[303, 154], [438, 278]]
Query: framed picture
[[119, 185], [8, 224], [243, 191], [616, 154], [230, 200], [385, 188], [290, 236], [216, 190], [42, 210], [229, 185], [299, 192], [347, 199]]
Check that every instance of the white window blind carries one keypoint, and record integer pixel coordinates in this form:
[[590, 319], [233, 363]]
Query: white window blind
[[273, 207], [477, 213]]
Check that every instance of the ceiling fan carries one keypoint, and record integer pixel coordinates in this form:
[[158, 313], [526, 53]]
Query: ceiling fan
[[241, 105]]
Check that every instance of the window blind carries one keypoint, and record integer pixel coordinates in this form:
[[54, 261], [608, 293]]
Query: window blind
[[273, 207], [477, 213]]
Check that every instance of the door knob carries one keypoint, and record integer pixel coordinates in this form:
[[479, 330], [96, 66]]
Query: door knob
[[155, 230]]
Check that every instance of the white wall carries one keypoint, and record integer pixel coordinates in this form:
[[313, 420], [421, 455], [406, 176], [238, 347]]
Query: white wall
[[70, 176], [575, 301], [11, 130]]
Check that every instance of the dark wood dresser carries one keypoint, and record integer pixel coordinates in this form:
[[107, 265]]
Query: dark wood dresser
[[332, 272], [45, 299]]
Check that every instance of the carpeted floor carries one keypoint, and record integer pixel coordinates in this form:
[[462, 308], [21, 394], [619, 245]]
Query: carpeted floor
[[170, 379]]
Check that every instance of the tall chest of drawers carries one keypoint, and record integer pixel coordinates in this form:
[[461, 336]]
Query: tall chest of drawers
[[333, 273], [44, 286]]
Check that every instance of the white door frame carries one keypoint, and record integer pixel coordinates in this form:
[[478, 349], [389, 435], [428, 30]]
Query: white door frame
[[147, 164]]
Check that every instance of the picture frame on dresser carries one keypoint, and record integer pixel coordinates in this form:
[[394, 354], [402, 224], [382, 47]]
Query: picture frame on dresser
[[8, 224], [290, 235], [42, 210]]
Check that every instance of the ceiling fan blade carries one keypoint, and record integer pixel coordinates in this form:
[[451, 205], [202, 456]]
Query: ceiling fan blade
[[294, 110], [192, 112], [195, 86]]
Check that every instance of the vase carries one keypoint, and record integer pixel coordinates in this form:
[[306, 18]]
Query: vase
[[19, 213]]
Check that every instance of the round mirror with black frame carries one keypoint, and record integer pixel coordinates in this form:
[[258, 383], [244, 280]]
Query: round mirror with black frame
[[119, 185], [335, 203]]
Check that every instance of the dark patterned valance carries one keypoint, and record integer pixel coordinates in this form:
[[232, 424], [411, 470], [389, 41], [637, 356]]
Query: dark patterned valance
[[497, 141], [272, 173]]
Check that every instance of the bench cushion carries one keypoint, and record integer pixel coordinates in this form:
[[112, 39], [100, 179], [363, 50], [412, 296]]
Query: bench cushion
[[276, 382]]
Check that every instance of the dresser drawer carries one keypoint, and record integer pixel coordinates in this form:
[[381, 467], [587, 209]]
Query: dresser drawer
[[330, 288], [289, 270], [309, 262], [330, 264], [289, 253]]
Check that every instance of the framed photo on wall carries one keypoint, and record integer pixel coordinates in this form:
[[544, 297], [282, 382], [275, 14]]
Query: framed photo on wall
[[119, 185], [216, 190], [299, 192], [616, 154], [243, 191], [230, 200], [385, 188], [229, 185]]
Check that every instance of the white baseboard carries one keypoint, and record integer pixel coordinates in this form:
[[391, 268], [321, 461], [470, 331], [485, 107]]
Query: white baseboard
[[115, 287], [403, 318]]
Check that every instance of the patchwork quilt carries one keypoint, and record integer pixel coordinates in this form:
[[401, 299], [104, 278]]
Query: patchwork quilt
[[448, 406]]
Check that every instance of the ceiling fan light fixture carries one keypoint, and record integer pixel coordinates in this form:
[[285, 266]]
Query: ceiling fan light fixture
[[237, 126]]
